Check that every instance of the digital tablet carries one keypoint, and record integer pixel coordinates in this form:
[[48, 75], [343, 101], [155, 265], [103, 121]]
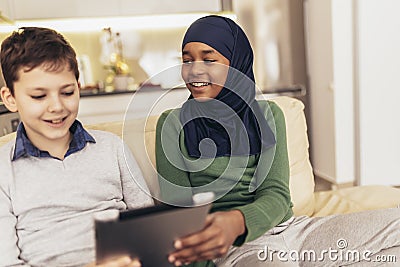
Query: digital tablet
[[146, 233]]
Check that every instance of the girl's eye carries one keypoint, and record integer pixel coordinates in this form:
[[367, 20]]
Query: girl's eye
[[186, 61], [38, 96], [209, 60]]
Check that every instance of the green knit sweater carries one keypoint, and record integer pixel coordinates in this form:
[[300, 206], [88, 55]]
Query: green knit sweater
[[263, 208]]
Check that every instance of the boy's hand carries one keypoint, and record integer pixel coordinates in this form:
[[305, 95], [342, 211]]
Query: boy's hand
[[221, 230], [120, 262]]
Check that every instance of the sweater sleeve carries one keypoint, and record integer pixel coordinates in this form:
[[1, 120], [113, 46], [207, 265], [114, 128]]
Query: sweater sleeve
[[272, 204], [173, 178], [134, 188], [9, 249], [8, 236]]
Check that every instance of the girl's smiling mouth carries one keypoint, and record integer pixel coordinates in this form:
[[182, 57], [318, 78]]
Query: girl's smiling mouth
[[199, 84]]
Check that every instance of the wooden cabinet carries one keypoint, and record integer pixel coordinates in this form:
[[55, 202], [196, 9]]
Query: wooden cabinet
[[47, 9], [99, 109], [112, 107]]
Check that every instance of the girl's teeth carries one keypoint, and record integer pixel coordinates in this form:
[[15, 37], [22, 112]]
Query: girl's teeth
[[199, 84], [57, 121]]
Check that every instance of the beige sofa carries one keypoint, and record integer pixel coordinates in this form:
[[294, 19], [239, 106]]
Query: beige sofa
[[140, 135]]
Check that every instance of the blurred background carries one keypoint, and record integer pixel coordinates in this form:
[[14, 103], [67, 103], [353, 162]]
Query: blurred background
[[147, 35], [339, 57]]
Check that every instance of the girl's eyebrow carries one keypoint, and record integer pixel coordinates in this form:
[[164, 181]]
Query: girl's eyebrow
[[210, 51]]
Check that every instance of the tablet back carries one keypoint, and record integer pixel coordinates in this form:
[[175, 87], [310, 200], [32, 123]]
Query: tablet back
[[147, 233]]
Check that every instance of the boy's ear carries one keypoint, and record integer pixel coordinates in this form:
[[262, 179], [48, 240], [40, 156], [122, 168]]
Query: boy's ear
[[8, 99]]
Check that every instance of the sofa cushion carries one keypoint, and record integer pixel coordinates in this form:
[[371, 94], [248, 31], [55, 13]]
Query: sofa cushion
[[301, 173], [139, 134], [354, 199], [7, 138]]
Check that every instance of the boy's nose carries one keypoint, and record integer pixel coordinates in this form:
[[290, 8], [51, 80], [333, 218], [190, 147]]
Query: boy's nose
[[55, 105]]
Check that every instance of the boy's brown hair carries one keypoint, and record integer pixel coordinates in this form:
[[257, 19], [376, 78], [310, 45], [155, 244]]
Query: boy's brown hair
[[30, 47]]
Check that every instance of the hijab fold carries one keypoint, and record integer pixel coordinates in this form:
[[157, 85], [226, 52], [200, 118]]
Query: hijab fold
[[232, 124]]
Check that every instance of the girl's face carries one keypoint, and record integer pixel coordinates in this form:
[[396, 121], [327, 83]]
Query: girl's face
[[204, 70]]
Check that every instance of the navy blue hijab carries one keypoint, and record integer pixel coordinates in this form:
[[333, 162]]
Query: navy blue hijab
[[232, 124]]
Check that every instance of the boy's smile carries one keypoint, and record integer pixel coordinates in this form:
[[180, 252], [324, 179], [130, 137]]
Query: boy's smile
[[47, 101]]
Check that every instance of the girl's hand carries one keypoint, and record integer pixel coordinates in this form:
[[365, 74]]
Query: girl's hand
[[120, 262], [221, 230]]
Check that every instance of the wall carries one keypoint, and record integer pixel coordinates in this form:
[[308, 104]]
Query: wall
[[353, 64], [343, 92], [275, 30], [329, 27], [320, 69], [378, 90]]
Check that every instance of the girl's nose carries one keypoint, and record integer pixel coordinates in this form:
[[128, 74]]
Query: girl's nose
[[198, 67]]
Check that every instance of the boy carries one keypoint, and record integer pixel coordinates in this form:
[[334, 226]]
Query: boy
[[55, 175]]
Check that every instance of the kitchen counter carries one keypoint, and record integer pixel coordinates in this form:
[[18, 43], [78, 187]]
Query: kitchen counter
[[144, 88], [293, 90], [101, 107], [98, 107], [96, 94], [84, 93]]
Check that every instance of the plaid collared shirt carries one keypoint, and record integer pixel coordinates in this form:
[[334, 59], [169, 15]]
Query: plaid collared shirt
[[24, 147]]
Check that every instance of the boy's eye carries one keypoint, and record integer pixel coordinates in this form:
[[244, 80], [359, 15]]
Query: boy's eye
[[187, 61], [38, 96], [68, 93]]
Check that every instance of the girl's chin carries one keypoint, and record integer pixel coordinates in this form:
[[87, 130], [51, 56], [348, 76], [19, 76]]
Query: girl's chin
[[202, 98]]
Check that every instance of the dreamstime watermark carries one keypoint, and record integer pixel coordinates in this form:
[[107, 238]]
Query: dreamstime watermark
[[338, 254]]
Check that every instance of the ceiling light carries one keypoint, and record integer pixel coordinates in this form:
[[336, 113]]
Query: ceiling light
[[167, 21]]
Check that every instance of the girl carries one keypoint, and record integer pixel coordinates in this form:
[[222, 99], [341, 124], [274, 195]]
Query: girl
[[223, 140]]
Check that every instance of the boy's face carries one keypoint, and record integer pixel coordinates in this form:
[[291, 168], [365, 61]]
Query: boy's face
[[47, 102]]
